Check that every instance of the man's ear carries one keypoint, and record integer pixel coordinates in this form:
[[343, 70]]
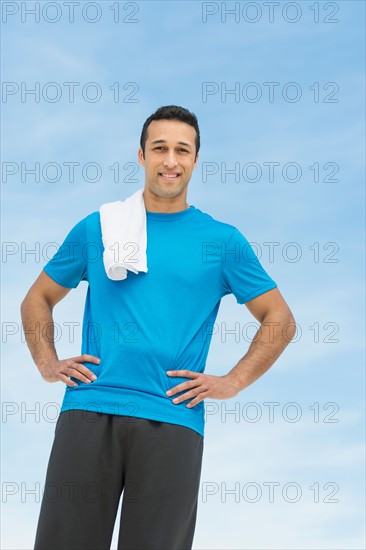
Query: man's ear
[[195, 162], [140, 156]]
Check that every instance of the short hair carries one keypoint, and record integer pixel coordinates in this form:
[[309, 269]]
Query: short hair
[[171, 112]]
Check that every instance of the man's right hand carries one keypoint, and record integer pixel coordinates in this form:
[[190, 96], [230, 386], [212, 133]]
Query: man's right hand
[[56, 370]]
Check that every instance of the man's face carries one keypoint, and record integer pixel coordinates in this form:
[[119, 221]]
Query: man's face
[[169, 157]]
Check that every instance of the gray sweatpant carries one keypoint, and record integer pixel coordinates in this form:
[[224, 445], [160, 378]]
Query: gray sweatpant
[[94, 457]]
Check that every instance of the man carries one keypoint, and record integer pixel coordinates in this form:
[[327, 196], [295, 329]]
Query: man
[[132, 417]]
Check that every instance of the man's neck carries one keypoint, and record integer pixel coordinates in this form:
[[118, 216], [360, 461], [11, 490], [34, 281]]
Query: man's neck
[[159, 209]]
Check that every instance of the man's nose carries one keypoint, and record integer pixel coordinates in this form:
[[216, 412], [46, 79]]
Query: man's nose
[[170, 160]]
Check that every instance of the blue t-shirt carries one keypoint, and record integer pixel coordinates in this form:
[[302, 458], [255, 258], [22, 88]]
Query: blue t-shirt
[[157, 321]]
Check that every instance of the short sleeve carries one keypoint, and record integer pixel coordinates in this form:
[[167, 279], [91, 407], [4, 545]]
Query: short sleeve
[[242, 273], [69, 264]]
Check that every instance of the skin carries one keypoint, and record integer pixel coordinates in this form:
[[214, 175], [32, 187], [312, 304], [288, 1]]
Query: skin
[[277, 324], [165, 152]]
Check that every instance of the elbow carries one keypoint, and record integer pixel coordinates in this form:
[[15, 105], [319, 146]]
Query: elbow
[[290, 325], [26, 303], [23, 307]]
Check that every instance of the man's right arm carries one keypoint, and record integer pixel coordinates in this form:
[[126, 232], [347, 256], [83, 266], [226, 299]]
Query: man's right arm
[[36, 312]]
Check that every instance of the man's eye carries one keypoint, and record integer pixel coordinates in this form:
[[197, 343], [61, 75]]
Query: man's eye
[[161, 147]]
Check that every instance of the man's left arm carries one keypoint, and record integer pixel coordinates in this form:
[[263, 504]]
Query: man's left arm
[[277, 329]]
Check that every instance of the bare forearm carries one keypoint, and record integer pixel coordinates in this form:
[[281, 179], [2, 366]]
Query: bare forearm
[[38, 329], [269, 342]]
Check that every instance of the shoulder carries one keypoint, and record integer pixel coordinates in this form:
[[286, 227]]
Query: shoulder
[[218, 227], [85, 227], [91, 220]]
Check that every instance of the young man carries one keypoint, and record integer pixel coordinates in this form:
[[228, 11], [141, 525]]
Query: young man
[[132, 417]]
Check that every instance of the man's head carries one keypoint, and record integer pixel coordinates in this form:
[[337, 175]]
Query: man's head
[[169, 145], [171, 112]]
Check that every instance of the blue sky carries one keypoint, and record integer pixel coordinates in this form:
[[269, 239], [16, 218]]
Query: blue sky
[[171, 56]]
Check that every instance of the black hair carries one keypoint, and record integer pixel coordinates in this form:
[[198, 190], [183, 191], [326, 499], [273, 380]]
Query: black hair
[[171, 112]]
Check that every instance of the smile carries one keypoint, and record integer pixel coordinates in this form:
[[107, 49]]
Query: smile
[[168, 176]]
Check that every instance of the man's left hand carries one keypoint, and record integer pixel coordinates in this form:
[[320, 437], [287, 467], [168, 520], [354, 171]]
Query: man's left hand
[[202, 386]]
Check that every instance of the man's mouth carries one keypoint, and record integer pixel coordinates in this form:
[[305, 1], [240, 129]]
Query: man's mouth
[[169, 176]]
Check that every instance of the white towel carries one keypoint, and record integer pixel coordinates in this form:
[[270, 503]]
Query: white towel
[[123, 225]]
